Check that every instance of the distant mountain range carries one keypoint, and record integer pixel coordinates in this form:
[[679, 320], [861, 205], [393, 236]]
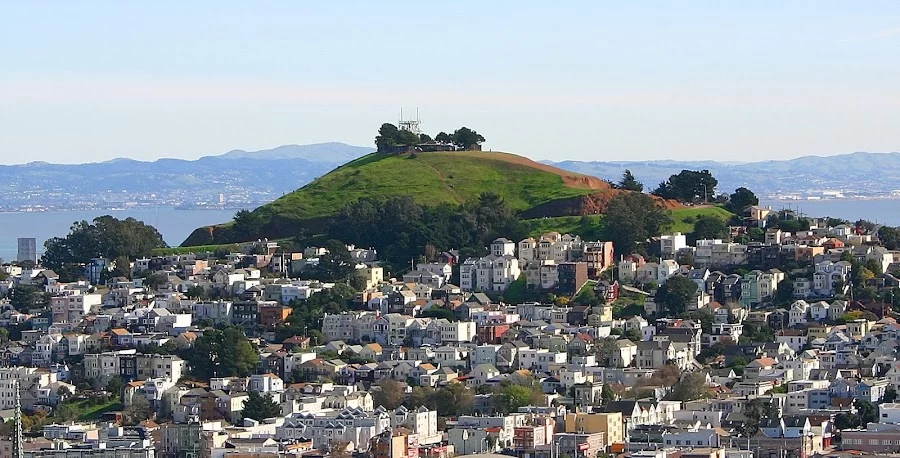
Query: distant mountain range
[[243, 177], [870, 174]]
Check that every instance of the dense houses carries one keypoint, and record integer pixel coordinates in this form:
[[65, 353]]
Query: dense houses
[[773, 354]]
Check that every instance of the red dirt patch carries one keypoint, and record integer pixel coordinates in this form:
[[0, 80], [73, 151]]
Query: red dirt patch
[[571, 179]]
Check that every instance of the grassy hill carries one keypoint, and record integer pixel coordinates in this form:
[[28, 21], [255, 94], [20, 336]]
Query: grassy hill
[[433, 178], [429, 178]]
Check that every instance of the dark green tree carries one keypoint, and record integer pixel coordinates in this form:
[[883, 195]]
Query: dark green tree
[[105, 237], [115, 386], [741, 199], [633, 335], [755, 410], [890, 237], [629, 183], [710, 227], [25, 297], [676, 294], [785, 293], [632, 218], [466, 138], [222, 353], [689, 186], [386, 138], [606, 394], [866, 412], [247, 225], [156, 280], [335, 265], [443, 137], [890, 395], [259, 407]]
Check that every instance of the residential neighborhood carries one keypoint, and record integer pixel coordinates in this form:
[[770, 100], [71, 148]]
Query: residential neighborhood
[[547, 346]]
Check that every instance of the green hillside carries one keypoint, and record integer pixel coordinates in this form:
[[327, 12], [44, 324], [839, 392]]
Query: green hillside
[[429, 178], [591, 226], [683, 218]]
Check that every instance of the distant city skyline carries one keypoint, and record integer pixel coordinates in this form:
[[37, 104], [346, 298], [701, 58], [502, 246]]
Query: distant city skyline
[[581, 81]]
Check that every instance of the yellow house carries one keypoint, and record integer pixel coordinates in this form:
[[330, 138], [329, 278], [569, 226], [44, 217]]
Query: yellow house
[[816, 332], [610, 424]]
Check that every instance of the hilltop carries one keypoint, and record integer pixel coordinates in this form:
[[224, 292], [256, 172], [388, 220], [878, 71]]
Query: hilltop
[[431, 179]]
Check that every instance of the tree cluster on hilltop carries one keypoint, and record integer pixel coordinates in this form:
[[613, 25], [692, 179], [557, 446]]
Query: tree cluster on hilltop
[[689, 186], [105, 237], [390, 138]]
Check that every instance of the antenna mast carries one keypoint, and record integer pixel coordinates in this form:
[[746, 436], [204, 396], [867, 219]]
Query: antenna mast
[[18, 445]]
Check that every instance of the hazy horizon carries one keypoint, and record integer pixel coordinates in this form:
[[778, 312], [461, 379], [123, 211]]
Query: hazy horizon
[[587, 81]]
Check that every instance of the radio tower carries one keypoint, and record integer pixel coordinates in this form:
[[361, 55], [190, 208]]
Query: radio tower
[[18, 446]]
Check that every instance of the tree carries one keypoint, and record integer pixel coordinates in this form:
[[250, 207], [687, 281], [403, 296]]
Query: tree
[[754, 410], [689, 186], [105, 237], [247, 225], [386, 138], [676, 294], [890, 395], [710, 227], [890, 237], [156, 280], [222, 353], [259, 407], [438, 312], [65, 413], [692, 386], [605, 350], [512, 397], [114, 386], [335, 265], [390, 394], [634, 335], [26, 297], [629, 183], [466, 138], [866, 412], [606, 394], [874, 266], [444, 138], [785, 292], [632, 218], [138, 411], [741, 199]]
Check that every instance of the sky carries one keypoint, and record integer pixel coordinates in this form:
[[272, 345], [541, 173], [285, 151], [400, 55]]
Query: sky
[[594, 80]]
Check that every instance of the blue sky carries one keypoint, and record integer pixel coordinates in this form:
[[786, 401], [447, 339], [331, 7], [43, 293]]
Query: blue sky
[[739, 81]]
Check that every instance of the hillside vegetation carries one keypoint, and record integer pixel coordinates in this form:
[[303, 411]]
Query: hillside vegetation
[[430, 179], [592, 226]]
